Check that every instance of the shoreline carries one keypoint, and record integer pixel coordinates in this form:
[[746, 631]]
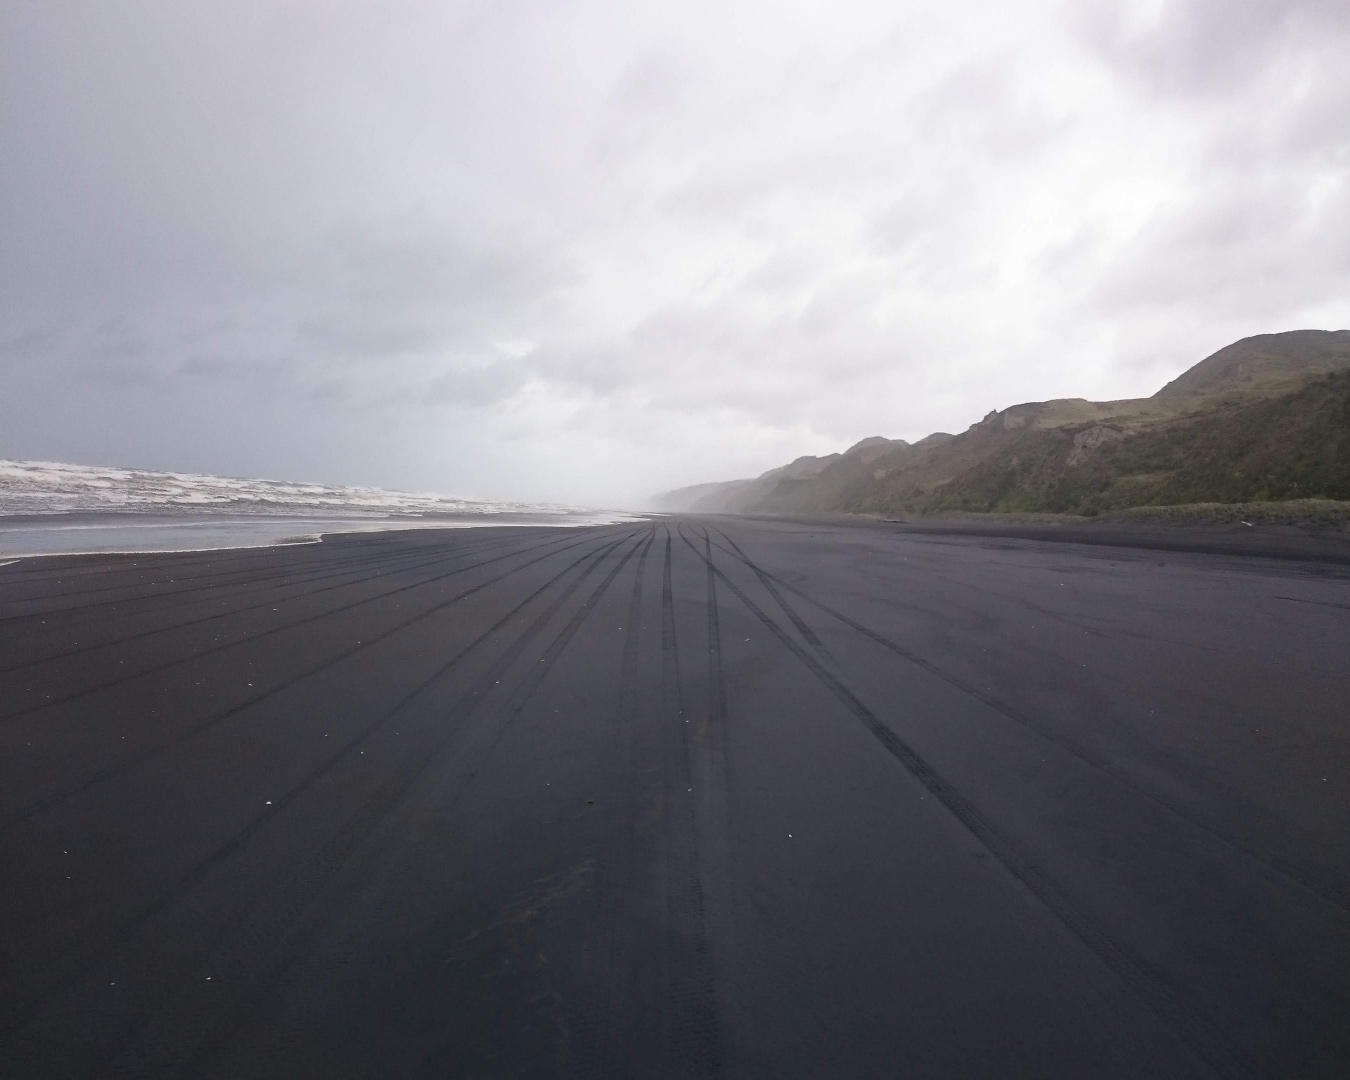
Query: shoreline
[[45, 535]]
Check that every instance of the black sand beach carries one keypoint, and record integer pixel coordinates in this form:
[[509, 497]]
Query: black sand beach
[[698, 797]]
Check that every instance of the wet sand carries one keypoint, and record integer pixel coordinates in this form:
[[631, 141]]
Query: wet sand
[[695, 797]]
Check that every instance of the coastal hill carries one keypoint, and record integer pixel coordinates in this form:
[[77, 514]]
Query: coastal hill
[[1266, 418]]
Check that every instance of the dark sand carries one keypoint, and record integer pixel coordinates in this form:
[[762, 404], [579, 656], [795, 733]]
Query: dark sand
[[704, 797]]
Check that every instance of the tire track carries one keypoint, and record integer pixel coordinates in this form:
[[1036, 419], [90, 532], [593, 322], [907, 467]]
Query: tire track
[[109, 772], [717, 684], [1149, 986], [191, 582], [141, 595], [616, 866], [276, 943], [537, 672], [47, 567], [693, 1002], [384, 564], [43, 570], [711, 782], [1290, 873], [271, 601], [275, 560], [808, 635], [385, 797], [75, 695]]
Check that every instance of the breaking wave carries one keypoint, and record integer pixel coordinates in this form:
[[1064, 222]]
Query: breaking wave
[[46, 487]]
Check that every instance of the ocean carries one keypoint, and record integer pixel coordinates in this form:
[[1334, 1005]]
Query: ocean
[[49, 508]]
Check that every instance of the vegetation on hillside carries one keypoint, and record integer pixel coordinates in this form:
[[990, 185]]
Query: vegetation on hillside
[[1267, 418], [1296, 446]]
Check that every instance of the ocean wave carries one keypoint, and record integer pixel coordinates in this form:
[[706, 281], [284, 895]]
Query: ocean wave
[[48, 487]]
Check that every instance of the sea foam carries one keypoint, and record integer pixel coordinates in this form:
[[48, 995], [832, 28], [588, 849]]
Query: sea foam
[[49, 507]]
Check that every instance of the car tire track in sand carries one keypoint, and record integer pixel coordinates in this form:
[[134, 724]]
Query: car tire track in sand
[[609, 947], [156, 669], [407, 560], [1151, 986], [283, 936], [123, 766], [326, 861], [1293, 874], [694, 1036], [643, 805], [271, 601]]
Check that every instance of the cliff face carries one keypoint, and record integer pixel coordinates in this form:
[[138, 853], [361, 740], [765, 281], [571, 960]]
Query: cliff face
[[1265, 418]]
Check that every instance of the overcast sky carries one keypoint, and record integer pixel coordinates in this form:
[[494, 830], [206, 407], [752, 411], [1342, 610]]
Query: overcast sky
[[590, 251]]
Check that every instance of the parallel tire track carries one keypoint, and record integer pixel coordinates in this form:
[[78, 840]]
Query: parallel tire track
[[307, 620], [276, 942], [1149, 985], [48, 567], [193, 586], [383, 563], [717, 683], [616, 866], [111, 771], [191, 583], [197, 874], [767, 582], [711, 776], [42, 569], [1293, 874], [271, 601], [693, 1002]]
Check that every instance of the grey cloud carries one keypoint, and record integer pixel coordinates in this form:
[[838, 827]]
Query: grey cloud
[[363, 334], [475, 386], [979, 106], [268, 371], [119, 376], [785, 271], [1244, 251], [1205, 46], [925, 207], [648, 90], [1292, 132]]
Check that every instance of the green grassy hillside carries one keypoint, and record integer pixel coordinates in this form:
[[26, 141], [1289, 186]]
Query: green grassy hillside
[[1295, 446], [1264, 362], [1266, 418]]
